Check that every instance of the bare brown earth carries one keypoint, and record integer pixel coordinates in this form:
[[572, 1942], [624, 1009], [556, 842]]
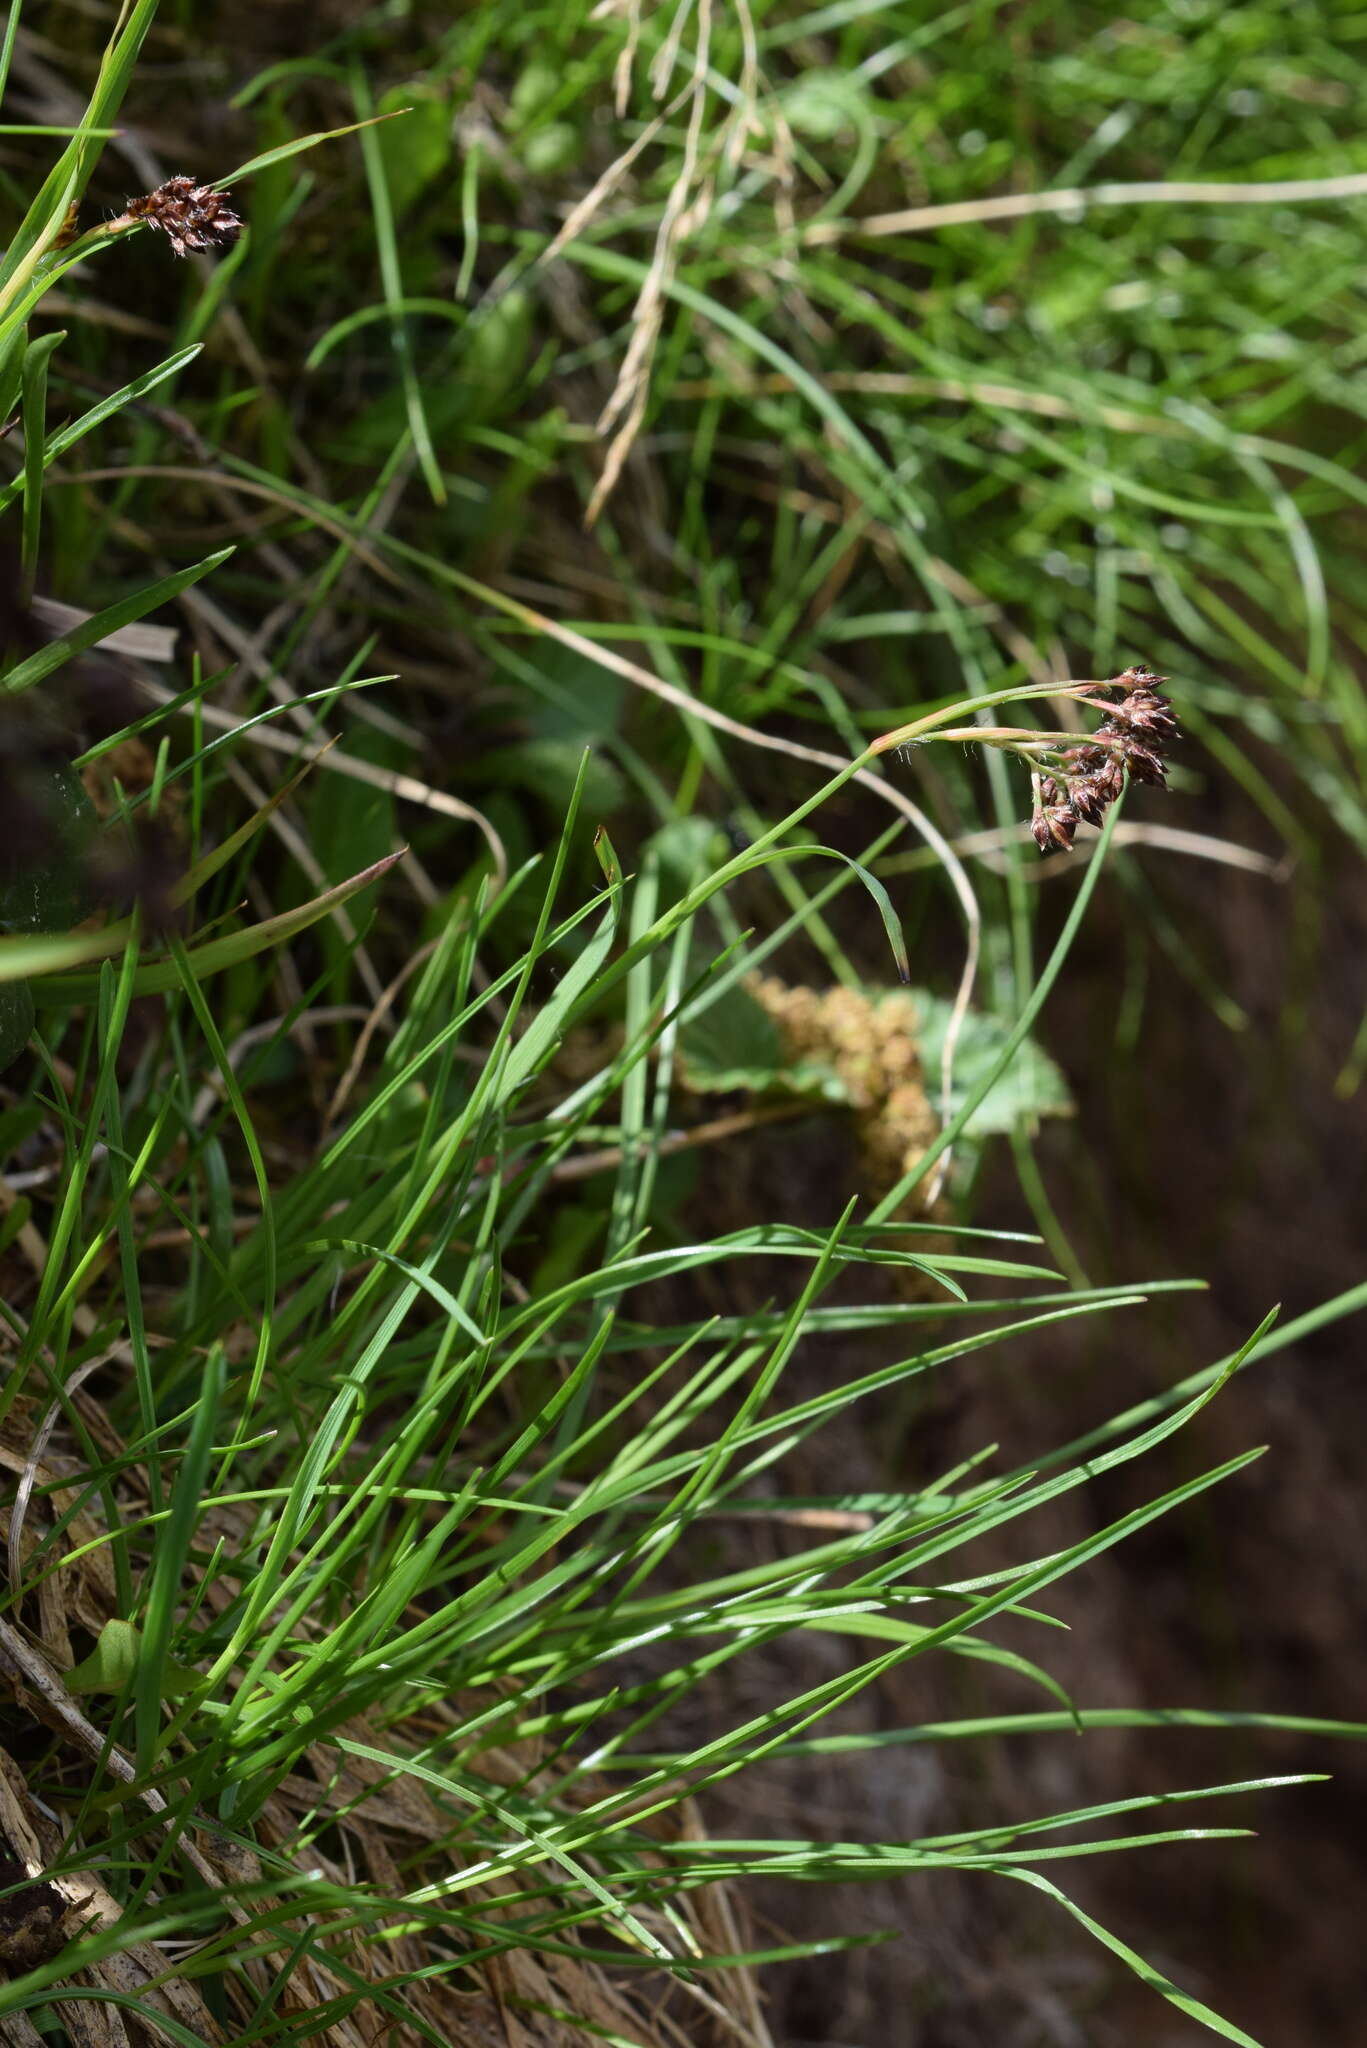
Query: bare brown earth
[[1231, 1157]]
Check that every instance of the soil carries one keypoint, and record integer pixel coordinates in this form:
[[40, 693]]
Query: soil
[[1229, 1156]]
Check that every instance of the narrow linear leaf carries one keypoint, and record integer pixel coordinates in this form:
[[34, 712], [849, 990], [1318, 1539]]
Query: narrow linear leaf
[[107, 408], [34, 381], [20, 958], [1145, 1972], [100, 624], [301, 143]]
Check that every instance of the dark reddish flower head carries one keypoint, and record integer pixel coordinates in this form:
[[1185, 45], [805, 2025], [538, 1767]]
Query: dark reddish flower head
[[192, 217], [1053, 826], [1134, 736]]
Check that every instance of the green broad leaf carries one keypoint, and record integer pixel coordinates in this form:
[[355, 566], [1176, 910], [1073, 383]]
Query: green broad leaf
[[550, 768], [551, 149], [733, 1044], [351, 825], [496, 346], [417, 148], [685, 849], [1031, 1087], [110, 1665], [578, 699], [537, 85], [113, 1665], [824, 105]]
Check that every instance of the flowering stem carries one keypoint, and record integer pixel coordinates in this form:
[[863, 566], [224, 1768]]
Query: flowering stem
[[1074, 777], [892, 1202], [924, 728], [1010, 737]]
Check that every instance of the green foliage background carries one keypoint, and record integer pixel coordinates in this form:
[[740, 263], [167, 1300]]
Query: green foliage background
[[960, 353]]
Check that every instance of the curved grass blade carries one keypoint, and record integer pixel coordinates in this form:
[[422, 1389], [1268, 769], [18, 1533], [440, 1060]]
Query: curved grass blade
[[101, 624]]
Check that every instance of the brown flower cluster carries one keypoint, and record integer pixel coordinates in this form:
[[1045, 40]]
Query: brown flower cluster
[[872, 1042], [192, 217], [1134, 736]]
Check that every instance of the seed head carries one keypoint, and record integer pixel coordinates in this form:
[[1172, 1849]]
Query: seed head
[[1145, 764], [1090, 791], [1053, 826], [1085, 780], [192, 217], [1142, 709]]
